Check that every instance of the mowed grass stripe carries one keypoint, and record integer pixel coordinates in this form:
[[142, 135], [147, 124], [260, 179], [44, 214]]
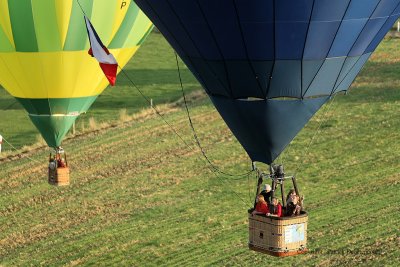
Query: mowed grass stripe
[[110, 145], [201, 249], [139, 197]]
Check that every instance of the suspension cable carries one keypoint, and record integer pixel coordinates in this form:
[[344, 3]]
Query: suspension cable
[[282, 156], [9, 106], [212, 167], [80, 6], [13, 147], [214, 171], [313, 138], [194, 131]]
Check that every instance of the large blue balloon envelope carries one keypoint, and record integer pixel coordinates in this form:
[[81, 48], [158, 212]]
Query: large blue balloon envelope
[[269, 65]]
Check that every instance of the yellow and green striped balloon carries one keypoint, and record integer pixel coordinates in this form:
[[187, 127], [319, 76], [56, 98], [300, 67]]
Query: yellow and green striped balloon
[[44, 61]]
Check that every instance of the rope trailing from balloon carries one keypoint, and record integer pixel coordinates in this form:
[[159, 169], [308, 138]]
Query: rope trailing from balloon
[[194, 130], [214, 171], [9, 106], [13, 147], [80, 6], [213, 168], [249, 189]]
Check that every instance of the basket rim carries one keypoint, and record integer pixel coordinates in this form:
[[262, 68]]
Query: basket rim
[[303, 214]]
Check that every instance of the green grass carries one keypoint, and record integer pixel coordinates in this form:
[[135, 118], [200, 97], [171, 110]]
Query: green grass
[[153, 69], [140, 197]]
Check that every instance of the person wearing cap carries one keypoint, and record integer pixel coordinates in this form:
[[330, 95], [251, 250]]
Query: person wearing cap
[[266, 193]]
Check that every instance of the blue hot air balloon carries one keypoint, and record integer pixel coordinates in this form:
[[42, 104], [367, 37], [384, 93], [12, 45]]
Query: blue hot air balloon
[[249, 55], [268, 66]]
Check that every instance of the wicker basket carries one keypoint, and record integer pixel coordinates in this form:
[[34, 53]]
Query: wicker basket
[[59, 176], [283, 236]]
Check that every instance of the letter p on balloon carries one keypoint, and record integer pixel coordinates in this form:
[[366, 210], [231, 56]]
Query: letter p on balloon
[[123, 4]]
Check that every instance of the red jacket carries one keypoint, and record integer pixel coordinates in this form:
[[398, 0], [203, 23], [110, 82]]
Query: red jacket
[[276, 210], [262, 207]]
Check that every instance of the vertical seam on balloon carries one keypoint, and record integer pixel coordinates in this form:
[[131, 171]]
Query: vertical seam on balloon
[[21, 67], [369, 19], [347, 56], [63, 37], [115, 27], [6, 41], [122, 27], [6, 27], [194, 44], [74, 88], [76, 11], [384, 24], [273, 61], [108, 10], [240, 114], [145, 35], [11, 73], [133, 33], [218, 48], [391, 14], [367, 48], [30, 29], [133, 25], [67, 111], [172, 35], [247, 52], [48, 37], [304, 49], [40, 62], [44, 84], [80, 65], [327, 53], [352, 67], [69, 101]]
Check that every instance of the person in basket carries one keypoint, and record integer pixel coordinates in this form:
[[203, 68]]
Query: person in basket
[[261, 206], [293, 208], [275, 208]]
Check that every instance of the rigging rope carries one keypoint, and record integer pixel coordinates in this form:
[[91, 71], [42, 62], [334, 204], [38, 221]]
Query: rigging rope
[[18, 151], [9, 106], [249, 189], [194, 131], [325, 118], [214, 171], [285, 154], [83, 11]]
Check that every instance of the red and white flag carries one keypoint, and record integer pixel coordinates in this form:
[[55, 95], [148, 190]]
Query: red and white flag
[[106, 60]]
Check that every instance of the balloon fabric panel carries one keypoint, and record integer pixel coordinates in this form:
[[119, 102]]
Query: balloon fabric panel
[[272, 49], [44, 61], [265, 127]]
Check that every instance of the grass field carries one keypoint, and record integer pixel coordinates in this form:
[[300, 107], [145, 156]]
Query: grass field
[[140, 197]]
